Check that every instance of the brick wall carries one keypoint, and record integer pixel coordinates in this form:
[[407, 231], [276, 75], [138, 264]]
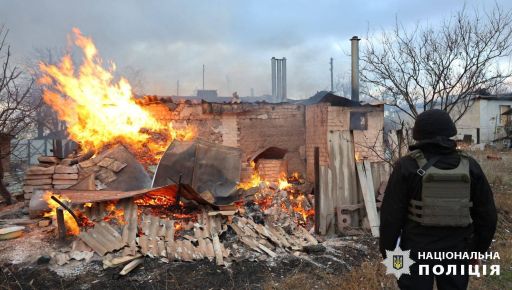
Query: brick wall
[[271, 125], [316, 136], [255, 129]]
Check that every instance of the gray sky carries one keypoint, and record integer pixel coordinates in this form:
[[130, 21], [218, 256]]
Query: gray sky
[[170, 40]]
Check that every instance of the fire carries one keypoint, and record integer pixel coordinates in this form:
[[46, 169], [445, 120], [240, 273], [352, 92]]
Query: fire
[[358, 156], [71, 225], [283, 182], [267, 194], [255, 180], [99, 110]]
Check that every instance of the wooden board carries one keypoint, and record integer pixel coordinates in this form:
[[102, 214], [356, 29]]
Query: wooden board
[[366, 182]]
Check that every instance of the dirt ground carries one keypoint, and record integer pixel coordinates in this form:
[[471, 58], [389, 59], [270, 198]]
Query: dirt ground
[[340, 256], [350, 262]]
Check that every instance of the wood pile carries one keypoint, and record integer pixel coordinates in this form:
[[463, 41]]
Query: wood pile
[[54, 173]]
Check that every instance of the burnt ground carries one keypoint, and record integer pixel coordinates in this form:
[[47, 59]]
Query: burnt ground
[[340, 256]]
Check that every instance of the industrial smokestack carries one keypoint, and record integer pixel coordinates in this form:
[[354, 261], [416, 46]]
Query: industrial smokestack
[[279, 80], [283, 96], [274, 91], [355, 68]]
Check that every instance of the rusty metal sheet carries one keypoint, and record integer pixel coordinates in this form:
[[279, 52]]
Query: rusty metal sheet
[[204, 166], [83, 196], [217, 170], [178, 159]]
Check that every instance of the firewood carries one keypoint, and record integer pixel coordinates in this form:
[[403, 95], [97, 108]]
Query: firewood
[[40, 170], [87, 163], [48, 159], [37, 176], [105, 162], [117, 166], [63, 169], [73, 176], [46, 181], [106, 175]]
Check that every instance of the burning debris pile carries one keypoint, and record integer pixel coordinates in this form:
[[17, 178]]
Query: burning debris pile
[[194, 207], [154, 223]]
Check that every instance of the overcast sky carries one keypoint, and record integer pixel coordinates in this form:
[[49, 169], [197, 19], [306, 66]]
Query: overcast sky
[[170, 40]]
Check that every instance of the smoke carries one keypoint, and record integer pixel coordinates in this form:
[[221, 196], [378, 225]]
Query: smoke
[[166, 41]]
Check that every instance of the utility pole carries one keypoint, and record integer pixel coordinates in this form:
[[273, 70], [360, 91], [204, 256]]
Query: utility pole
[[177, 88], [203, 77], [332, 82]]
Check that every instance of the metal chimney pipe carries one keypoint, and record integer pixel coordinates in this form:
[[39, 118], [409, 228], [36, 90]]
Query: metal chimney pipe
[[273, 67], [283, 97], [279, 80], [355, 68]]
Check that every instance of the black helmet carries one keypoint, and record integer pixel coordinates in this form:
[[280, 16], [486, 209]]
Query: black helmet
[[433, 123]]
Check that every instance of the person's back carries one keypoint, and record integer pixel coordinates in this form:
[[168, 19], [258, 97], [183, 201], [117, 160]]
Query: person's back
[[403, 194]]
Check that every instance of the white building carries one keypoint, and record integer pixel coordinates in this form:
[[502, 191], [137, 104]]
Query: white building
[[484, 122]]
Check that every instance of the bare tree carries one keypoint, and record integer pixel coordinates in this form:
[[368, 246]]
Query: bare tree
[[439, 67], [17, 107]]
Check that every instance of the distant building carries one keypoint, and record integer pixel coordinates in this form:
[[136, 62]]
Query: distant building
[[485, 121], [207, 94]]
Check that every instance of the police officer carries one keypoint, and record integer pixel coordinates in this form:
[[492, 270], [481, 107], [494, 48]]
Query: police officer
[[437, 200]]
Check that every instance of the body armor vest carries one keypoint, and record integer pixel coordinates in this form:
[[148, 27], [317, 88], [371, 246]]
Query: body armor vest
[[445, 194]]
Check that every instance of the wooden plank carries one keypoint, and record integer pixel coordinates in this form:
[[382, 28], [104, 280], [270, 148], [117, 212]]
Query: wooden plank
[[41, 170], [349, 175], [373, 215], [38, 176], [46, 181], [369, 197], [73, 176], [48, 159], [66, 169], [327, 212], [338, 192]]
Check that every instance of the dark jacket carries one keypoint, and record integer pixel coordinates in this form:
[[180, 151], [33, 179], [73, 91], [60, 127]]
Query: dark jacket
[[405, 184]]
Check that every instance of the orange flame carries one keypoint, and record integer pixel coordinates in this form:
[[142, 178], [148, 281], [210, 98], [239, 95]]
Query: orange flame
[[255, 180], [97, 109], [71, 225]]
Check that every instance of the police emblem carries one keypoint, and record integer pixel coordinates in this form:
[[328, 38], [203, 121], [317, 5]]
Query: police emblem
[[398, 262]]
